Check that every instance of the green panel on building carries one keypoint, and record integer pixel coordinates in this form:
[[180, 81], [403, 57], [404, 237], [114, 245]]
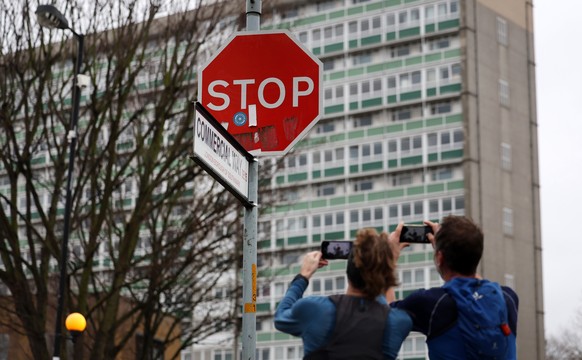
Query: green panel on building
[[353, 169], [392, 99], [374, 6], [449, 24], [356, 198], [433, 157], [454, 118], [393, 64], [336, 235], [394, 128], [429, 28], [435, 188], [376, 131], [334, 171], [280, 336], [296, 240], [356, 71], [354, 105], [337, 75], [434, 121], [333, 47], [376, 165], [395, 193], [353, 43], [264, 337], [452, 154], [415, 125], [316, 51], [280, 242], [450, 88], [391, 36], [452, 53], [356, 134], [337, 137], [263, 307], [431, 92], [318, 203], [334, 108], [353, 233], [337, 265], [355, 10], [455, 185], [264, 244], [415, 190], [392, 2], [392, 163], [412, 160], [300, 206], [337, 201], [378, 195], [412, 95], [297, 177], [316, 174], [374, 68], [309, 20], [416, 257], [280, 179], [432, 57], [316, 238], [413, 61], [369, 40], [371, 102], [409, 32], [336, 14]]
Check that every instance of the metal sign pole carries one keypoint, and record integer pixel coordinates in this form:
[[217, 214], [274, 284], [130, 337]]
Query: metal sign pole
[[249, 317]]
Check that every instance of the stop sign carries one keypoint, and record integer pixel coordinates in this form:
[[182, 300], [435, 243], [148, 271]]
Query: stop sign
[[265, 88]]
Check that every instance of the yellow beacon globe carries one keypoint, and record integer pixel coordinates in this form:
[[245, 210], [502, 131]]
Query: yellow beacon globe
[[76, 322]]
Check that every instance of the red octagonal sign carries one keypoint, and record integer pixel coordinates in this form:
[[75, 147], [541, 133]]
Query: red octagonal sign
[[265, 88]]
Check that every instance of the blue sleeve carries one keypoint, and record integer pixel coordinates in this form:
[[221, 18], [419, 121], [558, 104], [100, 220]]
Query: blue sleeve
[[312, 318], [285, 321], [398, 326]]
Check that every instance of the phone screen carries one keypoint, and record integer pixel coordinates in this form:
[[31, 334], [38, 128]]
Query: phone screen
[[415, 234], [336, 249]]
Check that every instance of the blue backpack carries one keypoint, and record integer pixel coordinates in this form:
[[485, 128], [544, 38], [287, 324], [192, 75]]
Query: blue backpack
[[482, 317]]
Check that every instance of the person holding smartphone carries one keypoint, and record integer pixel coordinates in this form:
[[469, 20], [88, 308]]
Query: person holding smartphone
[[468, 317], [357, 325]]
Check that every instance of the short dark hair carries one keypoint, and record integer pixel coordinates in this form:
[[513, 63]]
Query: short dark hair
[[371, 267], [461, 242]]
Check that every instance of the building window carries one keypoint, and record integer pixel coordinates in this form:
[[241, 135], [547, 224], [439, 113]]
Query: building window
[[507, 221], [505, 156], [504, 92], [510, 281], [502, 31]]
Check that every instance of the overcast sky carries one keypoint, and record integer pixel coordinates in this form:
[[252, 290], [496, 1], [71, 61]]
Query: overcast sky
[[559, 82]]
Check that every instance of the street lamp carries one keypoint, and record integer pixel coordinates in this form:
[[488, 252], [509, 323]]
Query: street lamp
[[48, 16], [76, 324]]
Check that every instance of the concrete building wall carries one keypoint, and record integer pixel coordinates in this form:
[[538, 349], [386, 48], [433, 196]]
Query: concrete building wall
[[511, 257]]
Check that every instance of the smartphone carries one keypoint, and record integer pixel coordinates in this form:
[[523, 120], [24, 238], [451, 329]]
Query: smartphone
[[336, 249], [415, 234]]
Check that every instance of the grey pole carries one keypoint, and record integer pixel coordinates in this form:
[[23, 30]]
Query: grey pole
[[249, 317]]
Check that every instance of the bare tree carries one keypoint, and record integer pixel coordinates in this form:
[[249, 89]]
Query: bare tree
[[567, 344], [151, 234]]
